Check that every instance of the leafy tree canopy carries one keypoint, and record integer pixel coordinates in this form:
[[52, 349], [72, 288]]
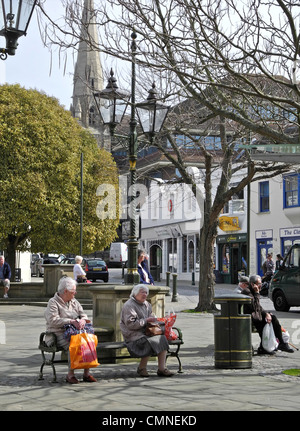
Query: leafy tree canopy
[[40, 147]]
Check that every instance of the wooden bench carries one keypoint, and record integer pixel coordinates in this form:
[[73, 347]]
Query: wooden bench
[[173, 350]]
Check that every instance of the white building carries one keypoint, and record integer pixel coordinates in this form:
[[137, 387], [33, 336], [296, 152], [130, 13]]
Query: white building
[[274, 217], [171, 219]]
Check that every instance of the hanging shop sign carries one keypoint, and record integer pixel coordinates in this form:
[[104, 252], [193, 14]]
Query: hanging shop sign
[[229, 223]]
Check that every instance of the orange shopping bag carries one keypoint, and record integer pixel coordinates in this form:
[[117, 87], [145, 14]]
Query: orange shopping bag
[[83, 352]]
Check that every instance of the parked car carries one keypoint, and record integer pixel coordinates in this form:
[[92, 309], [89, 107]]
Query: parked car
[[68, 260], [71, 260], [96, 269], [284, 288], [53, 258]]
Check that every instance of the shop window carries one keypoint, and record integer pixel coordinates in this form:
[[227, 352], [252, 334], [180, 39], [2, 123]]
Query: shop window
[[264, 197], [225, 253], [287, 244]]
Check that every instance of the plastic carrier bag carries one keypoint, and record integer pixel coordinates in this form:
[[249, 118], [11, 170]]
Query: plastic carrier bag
[[82, 350], [269, 341], [169, 322]]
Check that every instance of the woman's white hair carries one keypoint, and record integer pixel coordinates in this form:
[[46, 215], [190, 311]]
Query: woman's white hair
[[137, 288], [78, 259], [66, 283]]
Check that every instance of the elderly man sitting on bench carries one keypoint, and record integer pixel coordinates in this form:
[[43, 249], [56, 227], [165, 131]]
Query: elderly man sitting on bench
[[260, 317]]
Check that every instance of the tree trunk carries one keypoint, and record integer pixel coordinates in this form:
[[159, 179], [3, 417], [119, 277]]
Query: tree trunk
[[11, 255], [208, 234]]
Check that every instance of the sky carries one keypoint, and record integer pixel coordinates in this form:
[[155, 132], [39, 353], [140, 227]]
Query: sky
[[31, 65]]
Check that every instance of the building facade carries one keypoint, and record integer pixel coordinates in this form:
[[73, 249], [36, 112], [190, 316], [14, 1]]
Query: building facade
[[171, 219], [274, 217]]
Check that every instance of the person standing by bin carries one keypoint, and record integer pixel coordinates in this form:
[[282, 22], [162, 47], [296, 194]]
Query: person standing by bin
[[5, 276], [260, 317]]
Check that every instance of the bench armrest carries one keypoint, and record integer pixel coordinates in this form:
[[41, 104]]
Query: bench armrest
[[52, 341], [179, 332]]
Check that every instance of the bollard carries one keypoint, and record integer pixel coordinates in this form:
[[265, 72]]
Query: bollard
[[123, 269], [168, 282], [174, 296], [193, 278]]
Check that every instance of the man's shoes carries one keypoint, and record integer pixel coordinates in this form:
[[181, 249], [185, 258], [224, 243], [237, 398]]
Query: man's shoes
[[142, 372], [89, 378], [284, 347], [165, 373], [72, 380], [5, 295], [262, 351]]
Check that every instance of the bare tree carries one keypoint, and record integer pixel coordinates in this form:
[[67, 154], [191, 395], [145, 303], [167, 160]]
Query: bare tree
[[233, 63]]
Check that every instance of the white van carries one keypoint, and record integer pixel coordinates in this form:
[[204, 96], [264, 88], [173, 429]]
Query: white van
[[118, 253]]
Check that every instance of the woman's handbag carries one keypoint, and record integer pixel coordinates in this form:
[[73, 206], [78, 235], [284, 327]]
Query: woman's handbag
[[152, 329], [72, 330], [81, 279], [268, 339], [83, 353]]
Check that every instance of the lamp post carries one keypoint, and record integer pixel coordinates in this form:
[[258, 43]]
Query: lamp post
[[112, 104], [14, 20]]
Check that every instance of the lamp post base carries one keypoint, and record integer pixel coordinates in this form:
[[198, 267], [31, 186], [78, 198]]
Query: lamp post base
[[132, 276]]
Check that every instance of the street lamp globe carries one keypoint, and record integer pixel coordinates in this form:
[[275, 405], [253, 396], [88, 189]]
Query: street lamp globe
[[151, 114], [111, 103], [14, 20]]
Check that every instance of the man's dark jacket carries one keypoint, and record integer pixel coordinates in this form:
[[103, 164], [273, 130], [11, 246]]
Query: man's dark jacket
[[6, 271]]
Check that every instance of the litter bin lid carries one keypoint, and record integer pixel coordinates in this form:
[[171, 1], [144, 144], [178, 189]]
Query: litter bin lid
[[231, 297]]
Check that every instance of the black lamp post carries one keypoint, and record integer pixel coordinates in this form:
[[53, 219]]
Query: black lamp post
[[14, 20], [112, 104]]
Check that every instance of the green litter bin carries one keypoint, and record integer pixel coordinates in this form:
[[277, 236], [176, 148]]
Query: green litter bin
[[233, 345]]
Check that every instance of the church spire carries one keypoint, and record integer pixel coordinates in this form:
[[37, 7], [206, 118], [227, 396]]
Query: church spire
[[88, 75]]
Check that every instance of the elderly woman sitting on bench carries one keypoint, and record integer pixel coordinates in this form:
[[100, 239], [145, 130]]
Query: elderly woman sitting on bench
[[64, 309], [136, 312]]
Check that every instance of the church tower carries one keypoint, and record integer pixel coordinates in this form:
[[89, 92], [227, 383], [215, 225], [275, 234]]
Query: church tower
[[88, 77]]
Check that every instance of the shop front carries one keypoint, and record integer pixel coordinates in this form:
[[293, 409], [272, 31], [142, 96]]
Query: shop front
[[232, 256], [288, 237]]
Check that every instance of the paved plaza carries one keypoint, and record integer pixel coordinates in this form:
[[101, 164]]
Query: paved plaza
[[201, 387]]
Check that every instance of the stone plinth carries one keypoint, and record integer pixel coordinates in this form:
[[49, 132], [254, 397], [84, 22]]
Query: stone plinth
[[108, 301], [52, 275]]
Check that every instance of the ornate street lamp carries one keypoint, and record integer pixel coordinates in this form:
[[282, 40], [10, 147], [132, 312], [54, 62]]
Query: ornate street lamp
[[14, 20], [111, 103], [151, 115]]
